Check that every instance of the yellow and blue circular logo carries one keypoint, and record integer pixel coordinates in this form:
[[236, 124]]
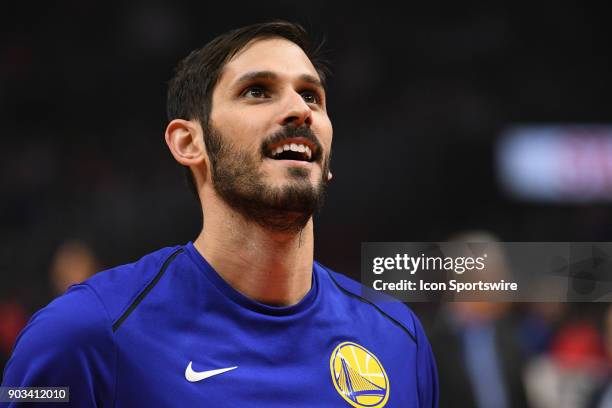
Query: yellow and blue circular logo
[[358, 376]]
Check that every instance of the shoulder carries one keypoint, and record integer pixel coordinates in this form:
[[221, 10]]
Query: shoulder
[[118, 287], [71, 342], [386, 306], [67, 343], [75, 318], [79, 324]]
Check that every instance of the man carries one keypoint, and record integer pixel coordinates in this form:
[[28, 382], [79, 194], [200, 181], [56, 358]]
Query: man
[[241, 317]]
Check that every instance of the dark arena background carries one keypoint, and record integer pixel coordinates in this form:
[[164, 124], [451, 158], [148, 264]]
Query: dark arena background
[[450, 119]]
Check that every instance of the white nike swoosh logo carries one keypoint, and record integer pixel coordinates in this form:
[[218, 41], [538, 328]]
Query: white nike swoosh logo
[[194, 376]]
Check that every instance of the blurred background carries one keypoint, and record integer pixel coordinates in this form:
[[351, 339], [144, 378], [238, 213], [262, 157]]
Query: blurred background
[[448, 118]]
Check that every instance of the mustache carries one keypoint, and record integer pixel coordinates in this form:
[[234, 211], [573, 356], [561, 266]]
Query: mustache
[[289, 132]]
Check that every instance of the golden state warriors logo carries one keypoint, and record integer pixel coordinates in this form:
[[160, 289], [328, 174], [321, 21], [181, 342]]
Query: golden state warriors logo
[[358, 376]]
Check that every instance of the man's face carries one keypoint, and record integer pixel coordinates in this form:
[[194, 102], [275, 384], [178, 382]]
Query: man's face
[[269, 136]]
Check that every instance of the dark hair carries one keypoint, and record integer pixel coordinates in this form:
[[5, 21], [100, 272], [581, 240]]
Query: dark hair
[[195, 77]]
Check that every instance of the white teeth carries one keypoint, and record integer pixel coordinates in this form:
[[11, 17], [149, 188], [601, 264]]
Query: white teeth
[[294, 147]]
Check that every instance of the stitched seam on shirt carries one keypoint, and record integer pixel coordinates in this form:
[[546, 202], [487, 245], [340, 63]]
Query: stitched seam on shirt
[[144, 292], [362, 299], [137, 293]]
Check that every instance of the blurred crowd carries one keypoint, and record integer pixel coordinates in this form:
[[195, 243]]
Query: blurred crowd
[[540, 355], [523, 354]]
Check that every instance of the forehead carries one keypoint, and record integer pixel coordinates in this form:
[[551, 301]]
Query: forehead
[[277, 55]]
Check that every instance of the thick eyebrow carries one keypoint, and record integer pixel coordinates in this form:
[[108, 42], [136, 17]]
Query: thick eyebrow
[[312, 80], [269, 75], [254, 75]]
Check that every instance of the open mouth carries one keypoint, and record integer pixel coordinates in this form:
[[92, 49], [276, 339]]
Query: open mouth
[[299, 149]]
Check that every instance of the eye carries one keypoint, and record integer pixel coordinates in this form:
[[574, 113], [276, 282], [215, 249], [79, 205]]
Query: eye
[[311, 97], [254, 92]]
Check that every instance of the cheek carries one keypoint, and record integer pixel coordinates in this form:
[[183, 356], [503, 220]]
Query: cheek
[[240, 130]]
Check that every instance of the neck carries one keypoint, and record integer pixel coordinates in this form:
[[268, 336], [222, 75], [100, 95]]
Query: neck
[[271, 267]]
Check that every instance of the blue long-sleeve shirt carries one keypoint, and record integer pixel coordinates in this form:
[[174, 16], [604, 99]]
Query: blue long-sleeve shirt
[[168, 331]]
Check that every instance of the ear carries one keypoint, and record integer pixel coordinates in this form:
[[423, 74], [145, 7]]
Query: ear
[[185, 141]]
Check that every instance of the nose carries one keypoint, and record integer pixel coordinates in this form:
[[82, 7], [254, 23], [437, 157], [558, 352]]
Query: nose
[[297, 112]]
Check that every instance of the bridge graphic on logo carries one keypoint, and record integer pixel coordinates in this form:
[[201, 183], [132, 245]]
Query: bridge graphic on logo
[[358, 376], [355, 385]]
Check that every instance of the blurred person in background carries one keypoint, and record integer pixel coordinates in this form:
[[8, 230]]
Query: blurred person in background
[[481, 341], [539, 322], [574, 371], [73, 263]]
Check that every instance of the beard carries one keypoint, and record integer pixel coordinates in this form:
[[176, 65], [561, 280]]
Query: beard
[[238, 179]]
